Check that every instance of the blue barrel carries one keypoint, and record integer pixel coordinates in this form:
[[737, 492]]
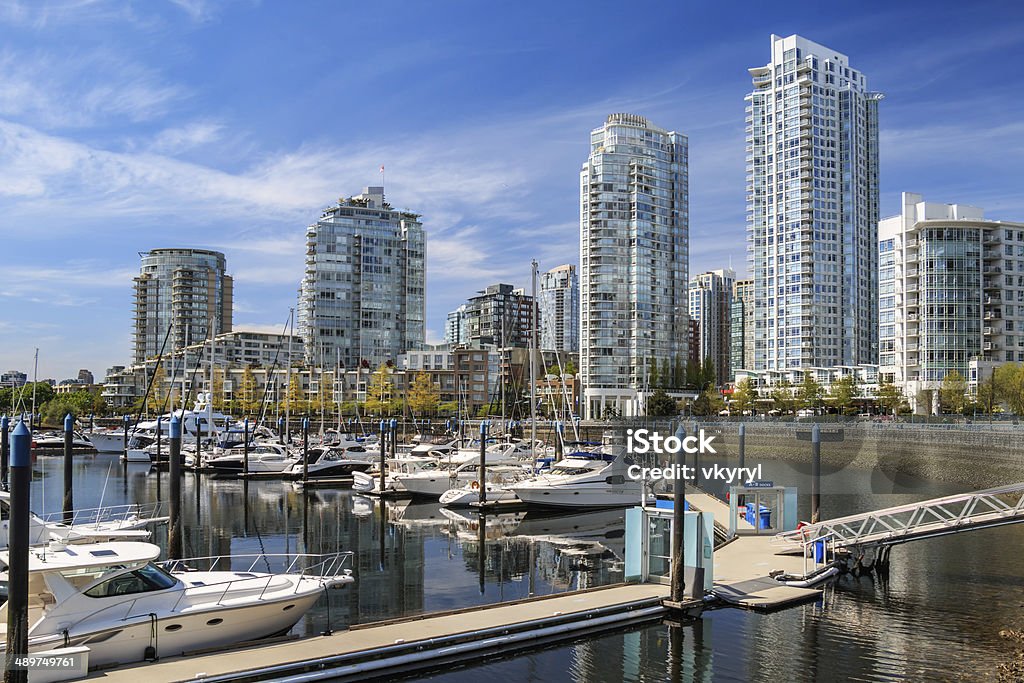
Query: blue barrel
[[819, 551]]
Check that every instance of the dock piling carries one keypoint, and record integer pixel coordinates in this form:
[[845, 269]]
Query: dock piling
[[815, 474], [69, 435], [305, 452], [5, 450], [678, 516], [382, 442], [483, 463], [245, 446], [127, 420], [159, 432], [17, 566], [174, 528], [743, 446], [280, 430]]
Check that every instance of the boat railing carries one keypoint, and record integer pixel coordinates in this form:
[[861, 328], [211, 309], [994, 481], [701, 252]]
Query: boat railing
[[125, 514], [309, 565]]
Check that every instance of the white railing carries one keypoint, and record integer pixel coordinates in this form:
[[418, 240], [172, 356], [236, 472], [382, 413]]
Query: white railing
[[123, 514], [930, 518]]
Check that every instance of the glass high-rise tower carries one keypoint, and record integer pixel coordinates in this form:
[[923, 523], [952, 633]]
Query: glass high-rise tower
[[362, 297], [186, 290], [634, 263], [812, 208]]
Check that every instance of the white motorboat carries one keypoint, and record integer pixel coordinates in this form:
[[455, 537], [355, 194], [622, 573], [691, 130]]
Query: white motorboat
[[369, 481], [53, 442], [434, 480], [596, 480], [112, 598], [330, 461], [266, 457], [107, 440], [499, 478], [121, 522]]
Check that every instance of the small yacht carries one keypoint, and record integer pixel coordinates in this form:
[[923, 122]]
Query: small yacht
[[598, 480], [266, 457], [330, 461], [499, 479], [53, 442], [369, 481], [121, 522], [433, 480], [113, 599]]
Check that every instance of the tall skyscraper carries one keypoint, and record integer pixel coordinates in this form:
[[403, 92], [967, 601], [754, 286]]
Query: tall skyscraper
[[362, 296], [186, 290], [741, 327], [634, 261], [812, 208], [951, 294], [560, 309], [711, 306]]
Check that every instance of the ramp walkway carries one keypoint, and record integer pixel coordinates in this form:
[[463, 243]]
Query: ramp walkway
[[914, 521]]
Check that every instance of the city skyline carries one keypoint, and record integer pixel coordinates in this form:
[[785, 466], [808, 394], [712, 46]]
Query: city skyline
[[131, 129]]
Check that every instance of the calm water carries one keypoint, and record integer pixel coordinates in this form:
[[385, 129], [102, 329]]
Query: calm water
[[936, 616]]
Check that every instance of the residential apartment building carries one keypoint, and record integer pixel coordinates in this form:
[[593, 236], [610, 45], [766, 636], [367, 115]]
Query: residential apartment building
[[187, 291], [559, 303], [951, 291], [455, 331], [362, 296], [812, 208], [634, 261], [741, 327], [710, 296], [500, 315]]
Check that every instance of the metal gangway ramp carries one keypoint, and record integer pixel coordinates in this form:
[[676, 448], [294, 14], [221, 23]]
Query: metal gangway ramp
[[914, 521]]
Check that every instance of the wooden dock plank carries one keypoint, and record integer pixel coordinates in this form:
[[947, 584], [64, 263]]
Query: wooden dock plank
[[369, 637]]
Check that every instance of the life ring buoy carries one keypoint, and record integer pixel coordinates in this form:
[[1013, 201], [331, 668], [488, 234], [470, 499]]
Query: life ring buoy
[[475, 485]]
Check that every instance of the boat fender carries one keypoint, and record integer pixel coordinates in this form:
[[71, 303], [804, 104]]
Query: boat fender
[[475, 485]]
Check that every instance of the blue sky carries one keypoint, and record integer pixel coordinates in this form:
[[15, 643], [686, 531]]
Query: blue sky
[[229, 125]]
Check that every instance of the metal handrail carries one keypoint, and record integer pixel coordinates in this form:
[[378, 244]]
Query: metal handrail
[[894, 522], [114, 513]]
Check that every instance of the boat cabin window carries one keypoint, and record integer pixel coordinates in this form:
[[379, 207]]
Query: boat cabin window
[[5, 510], [143, 580], [570, 470]]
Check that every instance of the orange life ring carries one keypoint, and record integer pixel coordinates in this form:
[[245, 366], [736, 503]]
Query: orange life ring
[[475, 485]]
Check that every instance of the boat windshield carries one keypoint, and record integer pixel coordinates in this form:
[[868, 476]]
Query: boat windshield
[[145, 579]]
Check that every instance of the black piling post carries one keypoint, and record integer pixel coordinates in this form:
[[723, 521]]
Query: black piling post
[[483, 464], [696, 457], [743, 446], [678, 517], [245, 446], [127, 420], [69, 503], [17, 563], [383, 443], [174, 529], [559, 441], [159, 431], [394, 438], [5, 450], [280, 429], [305, 450], [815, 474]]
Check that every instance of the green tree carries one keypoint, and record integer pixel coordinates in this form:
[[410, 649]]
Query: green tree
[[708, 376], [380, 392], [158, 392], [660, 404], [743, 396], [782, 396], [653, 378], [987, 396], [709, 402], [810, 393], [1009, 387], [424, 395], [953, 392], [843, 394], [693, 376], [249, 401], [889, 397], [79, 404], [678, 373], [295, 398]]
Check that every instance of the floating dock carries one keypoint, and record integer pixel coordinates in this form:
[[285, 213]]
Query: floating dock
[[414, 643]]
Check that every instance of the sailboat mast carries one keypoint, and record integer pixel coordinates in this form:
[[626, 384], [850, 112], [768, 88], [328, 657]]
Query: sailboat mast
[[288, 378], [533, 354]]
